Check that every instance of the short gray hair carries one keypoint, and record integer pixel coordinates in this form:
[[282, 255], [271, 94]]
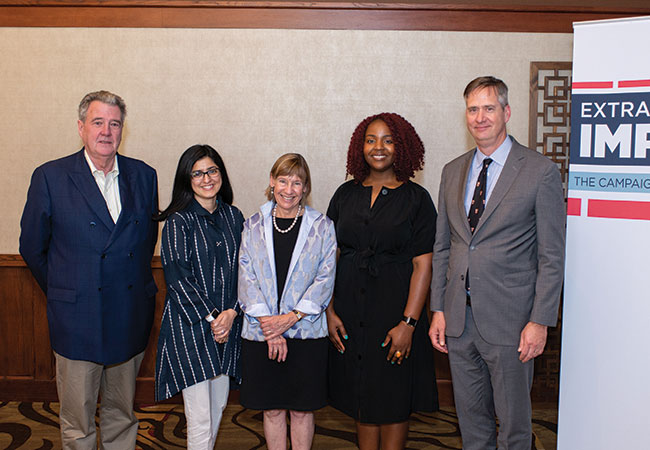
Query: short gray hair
[[102, 96], [489, 82]]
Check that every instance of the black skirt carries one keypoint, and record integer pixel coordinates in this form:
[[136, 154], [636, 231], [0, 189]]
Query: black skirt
[[298, 384]]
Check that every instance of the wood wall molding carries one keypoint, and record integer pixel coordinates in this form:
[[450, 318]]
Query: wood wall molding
[[452, 15], [18, 261], [27, 368], [12, 261], [27, 371]]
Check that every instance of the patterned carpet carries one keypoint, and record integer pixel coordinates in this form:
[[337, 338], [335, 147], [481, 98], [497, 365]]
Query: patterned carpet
[[33, 426]]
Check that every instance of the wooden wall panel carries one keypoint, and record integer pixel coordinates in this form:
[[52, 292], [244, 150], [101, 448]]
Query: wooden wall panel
[[26, 359], [27, 370], [16, 319]]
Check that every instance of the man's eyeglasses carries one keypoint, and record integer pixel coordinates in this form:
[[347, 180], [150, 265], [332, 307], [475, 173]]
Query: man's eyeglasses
[[211, 172]]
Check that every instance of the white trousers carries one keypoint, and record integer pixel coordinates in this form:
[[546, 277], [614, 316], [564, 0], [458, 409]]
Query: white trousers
[[204, 404]]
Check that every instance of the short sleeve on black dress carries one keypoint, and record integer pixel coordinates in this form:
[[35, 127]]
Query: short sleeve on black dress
[[424, 225]]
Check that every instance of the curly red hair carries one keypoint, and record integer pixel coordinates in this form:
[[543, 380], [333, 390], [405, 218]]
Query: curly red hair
[[409, 149]]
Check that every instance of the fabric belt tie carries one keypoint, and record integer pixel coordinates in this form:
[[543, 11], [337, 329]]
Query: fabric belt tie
[[370, 261]]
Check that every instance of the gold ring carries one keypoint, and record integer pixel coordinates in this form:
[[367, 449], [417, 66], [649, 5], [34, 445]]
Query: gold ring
[[398, 353]]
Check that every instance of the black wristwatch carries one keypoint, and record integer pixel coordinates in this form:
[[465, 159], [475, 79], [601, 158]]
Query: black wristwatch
[[212, 316], [410, 321]]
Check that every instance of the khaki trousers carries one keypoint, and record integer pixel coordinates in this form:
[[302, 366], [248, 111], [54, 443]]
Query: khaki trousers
[[78, 385]]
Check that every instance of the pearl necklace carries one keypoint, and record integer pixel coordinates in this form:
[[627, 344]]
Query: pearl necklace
[[295, 219]]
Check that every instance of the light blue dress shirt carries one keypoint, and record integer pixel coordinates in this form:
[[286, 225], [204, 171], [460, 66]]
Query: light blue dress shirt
[[494, 171]]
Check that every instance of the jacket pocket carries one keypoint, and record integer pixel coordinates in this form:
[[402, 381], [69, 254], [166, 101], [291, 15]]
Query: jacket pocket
[[62, 295]]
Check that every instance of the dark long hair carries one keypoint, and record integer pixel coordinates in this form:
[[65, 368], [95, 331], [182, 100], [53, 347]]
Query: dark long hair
[[182, 193]]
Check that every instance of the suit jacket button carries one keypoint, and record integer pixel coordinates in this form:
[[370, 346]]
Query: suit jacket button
[[130, 286], [99, 289], [472, 247], [131, 255], [92, 224], [462, 277], [103, 255], [137, 222]]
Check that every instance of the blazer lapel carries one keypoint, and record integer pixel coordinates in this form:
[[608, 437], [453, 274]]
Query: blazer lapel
[[462, 186], [84, 181], [510, 171]]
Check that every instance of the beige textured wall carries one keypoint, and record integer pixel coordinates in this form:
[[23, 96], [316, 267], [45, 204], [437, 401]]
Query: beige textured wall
[[252, 94]]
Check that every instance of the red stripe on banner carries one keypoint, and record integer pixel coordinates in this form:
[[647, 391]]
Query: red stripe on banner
[[592, 84], [634, 83], [619, 209], [573, 206]]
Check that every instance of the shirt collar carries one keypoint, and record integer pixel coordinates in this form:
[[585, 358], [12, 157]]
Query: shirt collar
[[93, 169], [499, 156], [200, 210]]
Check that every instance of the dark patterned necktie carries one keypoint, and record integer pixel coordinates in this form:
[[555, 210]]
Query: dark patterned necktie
[[478, 200]]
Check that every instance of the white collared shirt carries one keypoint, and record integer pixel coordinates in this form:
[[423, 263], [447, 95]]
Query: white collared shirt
[[109, 186], [499, 157]]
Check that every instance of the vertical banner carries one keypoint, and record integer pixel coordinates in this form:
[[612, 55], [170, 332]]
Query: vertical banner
[[605, 365]]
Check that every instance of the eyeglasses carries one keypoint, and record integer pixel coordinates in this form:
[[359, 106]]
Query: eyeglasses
[[212, 172]]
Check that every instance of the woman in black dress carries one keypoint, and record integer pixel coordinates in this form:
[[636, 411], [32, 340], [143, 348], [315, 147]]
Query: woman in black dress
[[381, 363]]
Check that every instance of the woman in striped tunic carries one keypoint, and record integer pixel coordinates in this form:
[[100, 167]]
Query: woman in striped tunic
[[199, 342]]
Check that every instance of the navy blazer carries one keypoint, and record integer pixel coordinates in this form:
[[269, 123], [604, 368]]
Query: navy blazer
[[96, 274]]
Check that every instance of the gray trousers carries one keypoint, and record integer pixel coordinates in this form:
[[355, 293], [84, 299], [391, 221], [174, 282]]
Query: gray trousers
[[78, 385], [489, 379]]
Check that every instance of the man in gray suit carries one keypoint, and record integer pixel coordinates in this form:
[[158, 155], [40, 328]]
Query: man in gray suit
[[498, 266]]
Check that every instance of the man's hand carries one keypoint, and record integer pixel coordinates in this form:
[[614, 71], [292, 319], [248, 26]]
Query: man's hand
[[437, 332], [532, 341]]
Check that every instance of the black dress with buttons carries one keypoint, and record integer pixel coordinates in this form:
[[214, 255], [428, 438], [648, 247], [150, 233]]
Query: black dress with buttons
[[377, 246]]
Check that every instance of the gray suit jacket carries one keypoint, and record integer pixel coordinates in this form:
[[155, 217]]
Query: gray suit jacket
[[515, 256]]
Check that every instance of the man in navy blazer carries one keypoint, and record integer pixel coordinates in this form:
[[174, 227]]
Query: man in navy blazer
[[497, 271], [88, 237]]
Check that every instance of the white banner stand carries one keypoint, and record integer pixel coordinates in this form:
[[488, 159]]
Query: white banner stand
[[605, 365]]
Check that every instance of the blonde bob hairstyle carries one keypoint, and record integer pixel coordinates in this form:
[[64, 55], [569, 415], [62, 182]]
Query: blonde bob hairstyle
[[291, 164]]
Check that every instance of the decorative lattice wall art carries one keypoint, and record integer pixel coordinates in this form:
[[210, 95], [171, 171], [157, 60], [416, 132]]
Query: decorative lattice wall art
[[550, 112]]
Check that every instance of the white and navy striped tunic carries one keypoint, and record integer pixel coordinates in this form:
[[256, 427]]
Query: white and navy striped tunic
[[199, 253]]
